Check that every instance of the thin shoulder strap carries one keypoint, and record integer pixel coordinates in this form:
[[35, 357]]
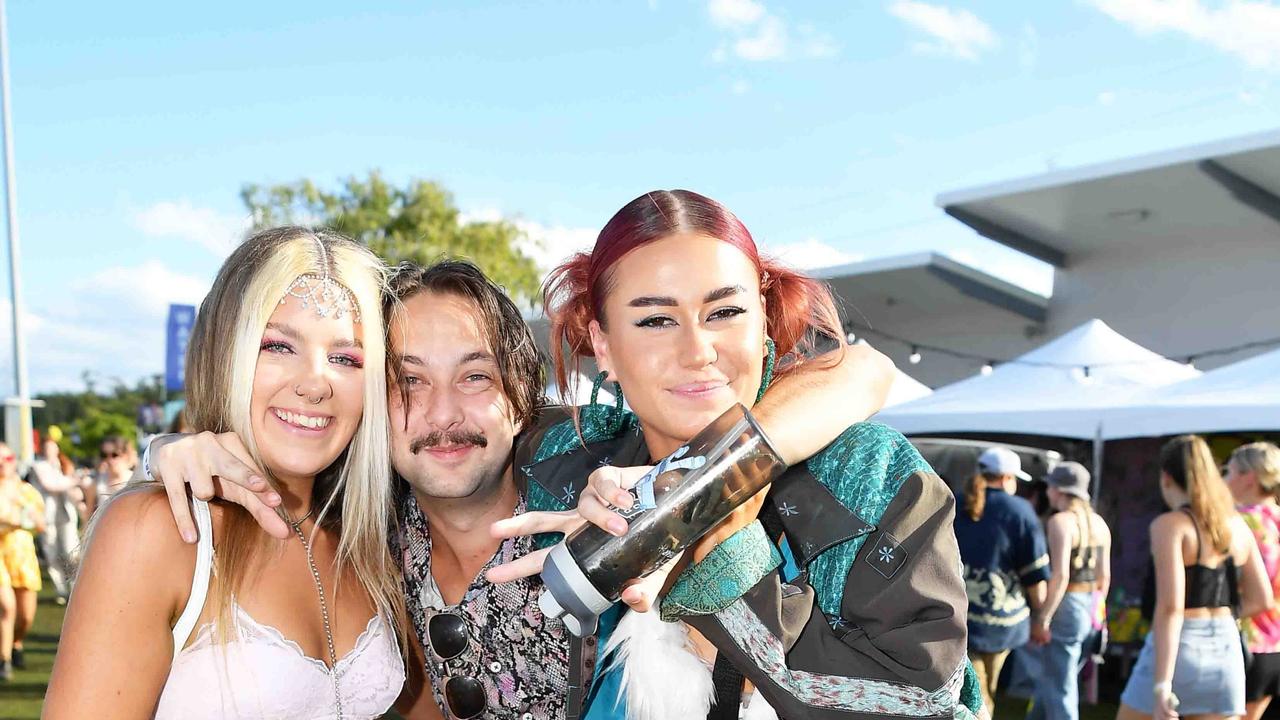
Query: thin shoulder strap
[[1195, 525], [199, 582]]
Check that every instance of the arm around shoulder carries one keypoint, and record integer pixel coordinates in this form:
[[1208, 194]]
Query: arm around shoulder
[[116, 646]]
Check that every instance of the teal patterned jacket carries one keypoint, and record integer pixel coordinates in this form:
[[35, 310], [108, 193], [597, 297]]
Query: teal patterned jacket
[[857, 611]]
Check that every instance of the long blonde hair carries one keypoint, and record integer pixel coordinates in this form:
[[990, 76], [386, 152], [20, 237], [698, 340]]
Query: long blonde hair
[[1262, 458], [1187, 460], [354, 494]]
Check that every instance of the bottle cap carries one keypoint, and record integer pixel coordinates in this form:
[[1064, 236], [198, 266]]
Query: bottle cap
[[568, 595]]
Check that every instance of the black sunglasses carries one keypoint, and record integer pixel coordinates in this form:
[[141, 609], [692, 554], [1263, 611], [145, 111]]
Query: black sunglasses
[[447, 635]]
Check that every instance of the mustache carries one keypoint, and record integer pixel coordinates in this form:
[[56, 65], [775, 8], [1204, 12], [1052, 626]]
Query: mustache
[[455, 437]]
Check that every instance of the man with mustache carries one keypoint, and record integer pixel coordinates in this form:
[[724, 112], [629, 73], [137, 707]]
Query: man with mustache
[[466, 413]]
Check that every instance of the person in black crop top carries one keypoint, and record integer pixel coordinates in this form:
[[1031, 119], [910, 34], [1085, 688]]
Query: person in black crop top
[[1080, 563], [1192, 662]]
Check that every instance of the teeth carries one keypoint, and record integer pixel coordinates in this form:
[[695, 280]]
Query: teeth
[[311, 423]]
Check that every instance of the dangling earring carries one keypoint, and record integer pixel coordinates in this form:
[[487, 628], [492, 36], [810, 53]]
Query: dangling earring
[[595, 390], [612, 422], [770, 359]]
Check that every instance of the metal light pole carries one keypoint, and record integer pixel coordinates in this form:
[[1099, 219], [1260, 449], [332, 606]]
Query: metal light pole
[[23, 448]]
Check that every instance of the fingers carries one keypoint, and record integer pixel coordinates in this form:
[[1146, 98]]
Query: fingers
[[232, 460], [638, 597], [526, 566], [608, 482], [177, 495], [536, 522], [594, 511]]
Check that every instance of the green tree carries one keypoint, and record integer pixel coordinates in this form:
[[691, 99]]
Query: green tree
[[418, 222]]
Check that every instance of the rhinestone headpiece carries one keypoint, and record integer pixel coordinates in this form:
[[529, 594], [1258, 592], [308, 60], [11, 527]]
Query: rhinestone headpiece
[[322, 292]]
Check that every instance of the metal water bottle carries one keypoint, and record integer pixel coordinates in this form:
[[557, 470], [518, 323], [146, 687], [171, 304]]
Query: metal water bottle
[[676, 503]]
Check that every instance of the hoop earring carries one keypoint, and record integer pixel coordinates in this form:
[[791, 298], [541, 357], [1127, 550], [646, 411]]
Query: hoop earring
[[613, 425], [771, 359]]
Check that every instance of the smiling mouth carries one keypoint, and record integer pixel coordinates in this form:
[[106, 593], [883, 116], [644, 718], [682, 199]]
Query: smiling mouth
[[696, 389], [305, 422]]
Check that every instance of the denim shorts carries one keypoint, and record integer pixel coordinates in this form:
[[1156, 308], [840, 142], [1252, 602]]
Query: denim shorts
[[1208, 675]]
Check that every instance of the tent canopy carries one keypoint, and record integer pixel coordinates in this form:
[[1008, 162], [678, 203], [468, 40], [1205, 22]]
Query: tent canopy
[[1059, 389], [1240, 396], [579, 391], [905, 389]]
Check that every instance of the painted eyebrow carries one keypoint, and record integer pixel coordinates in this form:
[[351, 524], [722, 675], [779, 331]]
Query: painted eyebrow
[[665, 301], [292, 333], [724, 292]]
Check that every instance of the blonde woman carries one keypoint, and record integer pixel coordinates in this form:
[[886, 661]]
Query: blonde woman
[[1080, 562], [243, 624], [1253, 475], [1204, 558]]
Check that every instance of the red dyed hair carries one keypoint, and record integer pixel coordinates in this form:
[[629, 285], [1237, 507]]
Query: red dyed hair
[[798, 309]]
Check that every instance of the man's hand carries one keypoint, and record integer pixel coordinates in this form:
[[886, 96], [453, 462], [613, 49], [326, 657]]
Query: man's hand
[[214, 465]]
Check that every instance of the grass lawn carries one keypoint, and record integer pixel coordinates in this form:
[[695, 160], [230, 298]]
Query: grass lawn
[[22, 697]]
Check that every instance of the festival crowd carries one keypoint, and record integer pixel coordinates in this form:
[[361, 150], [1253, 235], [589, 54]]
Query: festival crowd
[[372, 482]]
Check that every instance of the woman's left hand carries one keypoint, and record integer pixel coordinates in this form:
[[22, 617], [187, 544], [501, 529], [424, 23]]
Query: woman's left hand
[[608, 488], [1166, 705]]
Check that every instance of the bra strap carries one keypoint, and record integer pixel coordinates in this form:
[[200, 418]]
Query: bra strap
[[199, 582]]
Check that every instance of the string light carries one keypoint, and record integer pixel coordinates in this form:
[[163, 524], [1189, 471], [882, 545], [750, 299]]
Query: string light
[[852, 338], [987, 368], [914, 358]]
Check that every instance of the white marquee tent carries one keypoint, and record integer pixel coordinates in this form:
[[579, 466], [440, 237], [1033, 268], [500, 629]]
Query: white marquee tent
[[905, 389], [1060, 389], [580, 385], [1240, 396]]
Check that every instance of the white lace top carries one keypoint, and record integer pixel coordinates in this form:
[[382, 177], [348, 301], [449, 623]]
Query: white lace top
[[264, 675]]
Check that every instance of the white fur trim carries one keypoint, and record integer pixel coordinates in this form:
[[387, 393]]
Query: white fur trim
[[662, 676]]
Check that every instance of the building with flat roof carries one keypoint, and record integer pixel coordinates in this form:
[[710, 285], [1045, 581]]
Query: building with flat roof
[[1178, 251]]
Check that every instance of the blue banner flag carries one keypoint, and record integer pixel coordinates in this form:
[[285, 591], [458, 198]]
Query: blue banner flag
[[181, 318]]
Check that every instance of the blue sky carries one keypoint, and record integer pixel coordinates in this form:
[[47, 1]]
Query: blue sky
[[828, 127]]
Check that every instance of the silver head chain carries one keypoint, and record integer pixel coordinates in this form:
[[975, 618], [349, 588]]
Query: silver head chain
[[322, 292]]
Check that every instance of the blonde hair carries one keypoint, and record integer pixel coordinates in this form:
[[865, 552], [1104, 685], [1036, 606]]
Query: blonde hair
[[1187, 460], [1262, 458], [354, 494]]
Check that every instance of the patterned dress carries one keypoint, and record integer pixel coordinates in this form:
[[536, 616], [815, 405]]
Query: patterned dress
[[1263, 629], [19, 567]]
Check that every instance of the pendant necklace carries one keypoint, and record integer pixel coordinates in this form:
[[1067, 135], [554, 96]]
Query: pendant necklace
[[324, 610]]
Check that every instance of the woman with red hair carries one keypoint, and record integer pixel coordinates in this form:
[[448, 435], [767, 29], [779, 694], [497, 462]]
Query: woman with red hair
[[836, 593]]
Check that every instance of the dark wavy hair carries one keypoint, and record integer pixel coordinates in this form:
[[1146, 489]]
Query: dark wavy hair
[[520, 363]]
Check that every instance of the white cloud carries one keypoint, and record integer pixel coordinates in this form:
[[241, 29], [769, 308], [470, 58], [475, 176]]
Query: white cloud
[[816, 44], [811, 254], [110, 323], [211, 230], [549, 245], [753, 33], [735, 13], [768, 42], [1106, 97], [1247, 29], [740, 87], [954, 33]]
